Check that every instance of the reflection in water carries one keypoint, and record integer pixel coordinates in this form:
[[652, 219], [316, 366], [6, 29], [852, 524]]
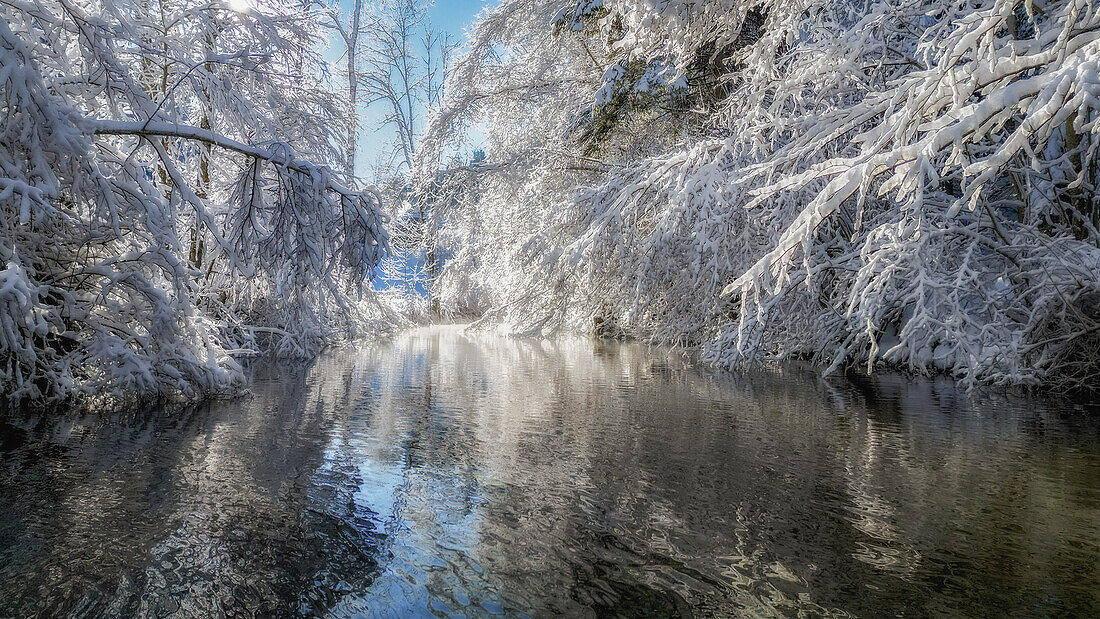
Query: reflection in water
[[449, 473]]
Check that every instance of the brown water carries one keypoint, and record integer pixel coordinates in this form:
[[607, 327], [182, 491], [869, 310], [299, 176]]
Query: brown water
[[445, 474]]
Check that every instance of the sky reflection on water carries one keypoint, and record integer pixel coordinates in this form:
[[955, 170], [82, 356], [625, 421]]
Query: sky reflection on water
[[450, 473]]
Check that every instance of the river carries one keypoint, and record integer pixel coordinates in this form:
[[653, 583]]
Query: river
[[451, 473]]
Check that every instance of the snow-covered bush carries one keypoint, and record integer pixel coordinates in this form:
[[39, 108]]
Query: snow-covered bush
[[901, 181], [154, 218]]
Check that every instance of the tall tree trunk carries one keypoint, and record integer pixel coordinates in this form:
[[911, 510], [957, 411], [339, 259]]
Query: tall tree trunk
[[353, 89], [202, 190]]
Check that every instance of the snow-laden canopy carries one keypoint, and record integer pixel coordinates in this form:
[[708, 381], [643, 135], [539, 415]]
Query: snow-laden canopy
[[164, 202], [901, 181], [909, 182]]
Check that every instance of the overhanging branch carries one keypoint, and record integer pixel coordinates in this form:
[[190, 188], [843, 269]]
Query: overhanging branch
[[190, 132]]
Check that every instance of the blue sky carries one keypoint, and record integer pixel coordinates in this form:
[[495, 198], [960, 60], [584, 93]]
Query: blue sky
[[454, 16]]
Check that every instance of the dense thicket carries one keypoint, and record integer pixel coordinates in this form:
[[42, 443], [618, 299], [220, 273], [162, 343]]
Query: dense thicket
[[901, 181], [164, 201]]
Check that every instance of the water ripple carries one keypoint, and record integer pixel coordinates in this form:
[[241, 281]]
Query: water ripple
[[447, 473]]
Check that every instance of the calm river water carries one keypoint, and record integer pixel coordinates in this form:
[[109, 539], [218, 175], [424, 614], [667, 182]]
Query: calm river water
[[443, 473]]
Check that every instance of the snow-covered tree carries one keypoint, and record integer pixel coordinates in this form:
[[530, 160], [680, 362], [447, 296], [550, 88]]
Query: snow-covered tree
[[350, 33], [910, 182], [405, 61], [163, 195]]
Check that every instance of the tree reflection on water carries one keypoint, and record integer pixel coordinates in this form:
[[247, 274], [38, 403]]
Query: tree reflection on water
[[452, 472]]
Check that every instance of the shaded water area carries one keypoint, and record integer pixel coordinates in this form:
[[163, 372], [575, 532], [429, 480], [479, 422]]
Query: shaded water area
[[443, 473]]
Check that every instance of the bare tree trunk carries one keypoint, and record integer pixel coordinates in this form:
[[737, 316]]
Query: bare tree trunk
[[202, 189], [352, 42], [154, 76]]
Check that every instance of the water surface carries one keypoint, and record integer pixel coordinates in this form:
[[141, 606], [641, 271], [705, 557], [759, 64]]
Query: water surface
[[453, 474]]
